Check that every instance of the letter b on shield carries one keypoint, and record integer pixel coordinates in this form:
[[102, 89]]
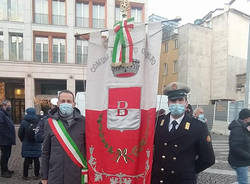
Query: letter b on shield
[[124, 108]]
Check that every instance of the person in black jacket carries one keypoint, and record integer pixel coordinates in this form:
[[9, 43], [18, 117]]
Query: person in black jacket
[[182, 145], [31, 150], [7, 137], [39, 136], [239, 146]]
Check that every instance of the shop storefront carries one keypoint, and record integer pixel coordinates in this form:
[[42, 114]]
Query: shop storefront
[[13, 90]]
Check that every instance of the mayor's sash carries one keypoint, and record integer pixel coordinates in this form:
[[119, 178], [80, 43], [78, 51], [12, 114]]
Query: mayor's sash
[[69, 146]]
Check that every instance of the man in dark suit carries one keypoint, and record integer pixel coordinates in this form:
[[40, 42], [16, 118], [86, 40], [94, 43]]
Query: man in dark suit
[[183, 145]]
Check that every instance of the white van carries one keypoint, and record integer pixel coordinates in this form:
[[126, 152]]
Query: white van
[[162, 103], [80, 102]]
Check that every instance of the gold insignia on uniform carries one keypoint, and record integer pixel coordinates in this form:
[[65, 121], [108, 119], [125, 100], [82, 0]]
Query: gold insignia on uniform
[[187, 126], [162, 122], [208, 138]]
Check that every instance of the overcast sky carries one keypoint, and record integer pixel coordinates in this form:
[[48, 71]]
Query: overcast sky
[[189, 10]]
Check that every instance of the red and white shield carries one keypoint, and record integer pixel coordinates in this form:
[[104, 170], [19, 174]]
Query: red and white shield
[[124, 108]]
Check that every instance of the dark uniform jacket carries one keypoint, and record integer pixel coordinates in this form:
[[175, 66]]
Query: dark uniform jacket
[[57, 167], [239, 144], [180, 156]]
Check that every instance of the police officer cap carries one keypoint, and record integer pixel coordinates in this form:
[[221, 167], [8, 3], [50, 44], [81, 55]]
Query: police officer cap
[[176, 90]]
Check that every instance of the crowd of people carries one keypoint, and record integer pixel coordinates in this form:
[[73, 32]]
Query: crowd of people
[[182, 144]]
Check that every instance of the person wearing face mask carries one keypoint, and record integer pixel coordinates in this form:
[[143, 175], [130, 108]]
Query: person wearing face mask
[[182, 145], [7, 137], [199, 114], [39, 136], [239, 146], [57, 165]]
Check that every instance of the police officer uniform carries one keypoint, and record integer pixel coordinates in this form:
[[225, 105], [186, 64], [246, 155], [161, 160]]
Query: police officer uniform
[[180, 155]]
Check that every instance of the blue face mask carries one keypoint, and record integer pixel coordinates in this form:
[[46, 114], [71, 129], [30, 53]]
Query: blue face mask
[[66, 109], [177, 109], [201, 116]]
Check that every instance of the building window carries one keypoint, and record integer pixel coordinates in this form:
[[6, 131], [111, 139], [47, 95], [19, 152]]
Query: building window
[[43, 41], [1, 45], [137, 14], [81, 51], [41, 11], [16, 46], [41, 49], [175, 67], [166, 47], [58, 12], [176, 44], [50, 12], [11, 10], [82, 14], [58, 50], [240, 82], [118, 14], [98, 16], [165, 69]]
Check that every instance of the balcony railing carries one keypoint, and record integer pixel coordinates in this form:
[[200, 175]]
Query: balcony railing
[[56, 58], [41, 18], [58, 19], [98, 23], [41, 57], [82, 21], [16, 18], [81, 59]]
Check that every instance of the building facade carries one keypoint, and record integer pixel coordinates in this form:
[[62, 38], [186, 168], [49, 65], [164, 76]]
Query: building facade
[[168, 71], [168, 68], [40, 53], [213, 57]]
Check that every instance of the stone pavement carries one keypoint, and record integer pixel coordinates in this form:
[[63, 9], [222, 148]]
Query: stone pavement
[[220, 173]]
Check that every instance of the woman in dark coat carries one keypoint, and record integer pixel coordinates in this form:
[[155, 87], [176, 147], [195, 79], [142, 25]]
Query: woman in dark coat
[[31, 150]]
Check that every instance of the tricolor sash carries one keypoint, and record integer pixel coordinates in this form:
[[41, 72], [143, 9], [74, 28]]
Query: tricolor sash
[[69, 146]]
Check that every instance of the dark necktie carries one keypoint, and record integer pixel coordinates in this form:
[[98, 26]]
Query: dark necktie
[[174, 123]]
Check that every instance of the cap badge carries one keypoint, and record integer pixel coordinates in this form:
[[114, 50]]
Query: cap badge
[[187, 126], [174, 86]]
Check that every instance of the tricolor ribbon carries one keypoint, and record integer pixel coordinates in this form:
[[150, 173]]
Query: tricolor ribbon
[[69, 146], [123, 36]]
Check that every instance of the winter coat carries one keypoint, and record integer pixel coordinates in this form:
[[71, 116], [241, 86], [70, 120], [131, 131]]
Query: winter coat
[[57, 167], [7, 129], [239, 144], [40, 129], [29, 148]]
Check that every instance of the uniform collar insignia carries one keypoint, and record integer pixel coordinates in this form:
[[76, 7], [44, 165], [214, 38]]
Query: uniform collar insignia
[[162, 122]]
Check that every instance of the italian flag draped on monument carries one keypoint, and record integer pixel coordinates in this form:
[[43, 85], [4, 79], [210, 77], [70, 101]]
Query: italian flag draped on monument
[[121, 103]]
